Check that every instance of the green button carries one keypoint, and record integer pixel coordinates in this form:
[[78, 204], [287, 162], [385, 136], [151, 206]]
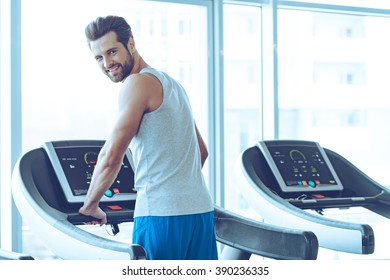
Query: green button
[[108, 193]]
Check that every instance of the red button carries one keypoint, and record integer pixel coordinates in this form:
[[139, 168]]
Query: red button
[[114, 207], [319, 196]]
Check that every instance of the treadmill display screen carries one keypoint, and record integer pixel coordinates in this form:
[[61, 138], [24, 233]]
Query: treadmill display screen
[[74, 167], [300, 166]]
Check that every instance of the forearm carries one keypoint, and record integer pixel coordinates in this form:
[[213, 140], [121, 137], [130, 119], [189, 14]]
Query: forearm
[[105, 172]]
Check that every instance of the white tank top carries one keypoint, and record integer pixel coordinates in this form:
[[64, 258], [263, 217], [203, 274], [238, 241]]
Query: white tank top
[[168, 176]]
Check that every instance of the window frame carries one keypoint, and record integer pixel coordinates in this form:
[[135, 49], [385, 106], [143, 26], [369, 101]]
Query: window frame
[[10, 92]]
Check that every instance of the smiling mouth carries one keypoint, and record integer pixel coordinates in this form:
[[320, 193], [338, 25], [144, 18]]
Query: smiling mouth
[[113, 69]]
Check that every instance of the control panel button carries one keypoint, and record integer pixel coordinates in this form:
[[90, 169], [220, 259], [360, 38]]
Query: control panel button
[[108, 193]]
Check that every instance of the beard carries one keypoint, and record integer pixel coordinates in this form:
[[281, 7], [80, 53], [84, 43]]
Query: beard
[[124, 69]]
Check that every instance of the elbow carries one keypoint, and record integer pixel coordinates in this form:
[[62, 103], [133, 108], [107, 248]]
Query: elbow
[[111, 159], [114, 160]]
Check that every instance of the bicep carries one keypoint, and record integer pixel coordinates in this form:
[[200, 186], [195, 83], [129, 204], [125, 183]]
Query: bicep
[[132, 106]]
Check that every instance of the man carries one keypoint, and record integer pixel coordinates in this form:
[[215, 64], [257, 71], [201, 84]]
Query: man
[[173, 217]]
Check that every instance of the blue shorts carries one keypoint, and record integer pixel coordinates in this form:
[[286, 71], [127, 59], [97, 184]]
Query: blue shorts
[[184, 237]]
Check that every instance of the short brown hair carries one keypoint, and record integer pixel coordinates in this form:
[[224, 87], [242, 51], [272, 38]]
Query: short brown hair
[[102, 25]]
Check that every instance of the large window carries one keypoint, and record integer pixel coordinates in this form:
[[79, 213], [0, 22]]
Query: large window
[[242, 93], [9, 126], [305, 69], [333, 89], [65, 95], [382, 4]]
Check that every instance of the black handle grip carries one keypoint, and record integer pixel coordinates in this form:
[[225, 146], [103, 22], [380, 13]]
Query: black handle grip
[[113, 217], [79, 219]]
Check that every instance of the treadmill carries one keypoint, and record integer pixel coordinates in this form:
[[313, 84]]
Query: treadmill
[[9, 255], [285, 178], [48, 186]]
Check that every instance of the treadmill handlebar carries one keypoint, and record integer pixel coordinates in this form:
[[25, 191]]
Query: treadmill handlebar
[[79, 219], [112, 218], [264, 239], [238, 232]]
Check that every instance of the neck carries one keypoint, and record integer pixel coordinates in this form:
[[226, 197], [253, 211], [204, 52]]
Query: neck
[[139, 64]]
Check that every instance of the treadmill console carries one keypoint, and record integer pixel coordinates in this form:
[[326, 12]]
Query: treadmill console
[[300, 166], [74, 163]]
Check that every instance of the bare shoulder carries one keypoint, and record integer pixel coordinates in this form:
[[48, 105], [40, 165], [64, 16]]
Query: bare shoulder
[[145, 87], [142, 82], [144, 79]]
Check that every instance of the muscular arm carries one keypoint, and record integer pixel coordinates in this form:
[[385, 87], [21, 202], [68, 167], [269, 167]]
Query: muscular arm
[[137, 96]]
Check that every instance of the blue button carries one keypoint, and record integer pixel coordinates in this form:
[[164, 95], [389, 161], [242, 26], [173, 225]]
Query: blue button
[[312, 184], [108, 193]]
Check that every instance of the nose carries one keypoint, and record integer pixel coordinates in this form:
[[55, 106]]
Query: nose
[[107, 61]]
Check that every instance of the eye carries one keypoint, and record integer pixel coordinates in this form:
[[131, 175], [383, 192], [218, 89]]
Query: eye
[[98, 58], [112, 52]]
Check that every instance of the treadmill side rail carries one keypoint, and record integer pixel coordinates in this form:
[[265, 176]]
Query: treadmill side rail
[[7, 255], [264, 239]]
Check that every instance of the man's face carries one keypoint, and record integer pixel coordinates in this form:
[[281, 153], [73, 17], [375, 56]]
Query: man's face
[[113, 57]]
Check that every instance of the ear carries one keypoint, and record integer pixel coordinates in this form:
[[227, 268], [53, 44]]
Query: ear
[[131, 45]]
